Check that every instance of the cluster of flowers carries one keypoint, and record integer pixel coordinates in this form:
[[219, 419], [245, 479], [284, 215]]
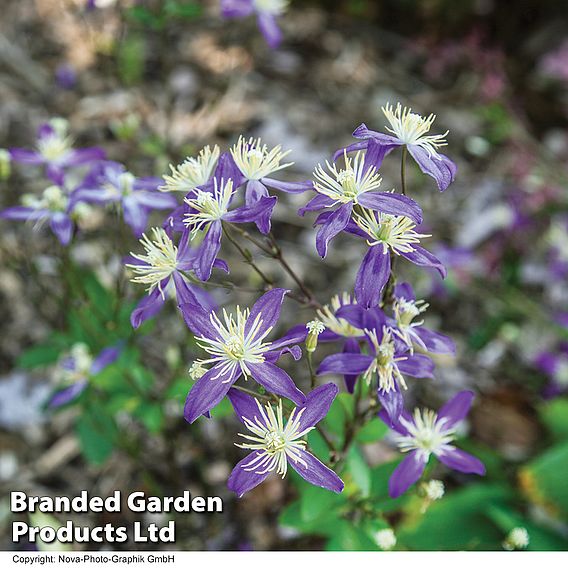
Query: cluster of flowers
[[377, 328]]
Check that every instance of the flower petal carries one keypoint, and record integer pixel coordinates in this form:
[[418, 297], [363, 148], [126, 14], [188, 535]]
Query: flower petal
[[208, 251], [435, 342], [68, 394], [459, 460], [267, 310], [107, 356], [316, 472], [345, 364], [393, 404], [260, 213], [254, 191], [62, 226], [440, 167], [289, 186], [147, 308], [318, 202], [407, 473], [421, 257], [245, 405], [417, 365], [209, 390], [269, 29], [241, 481], [198, 320], [333, 225], [316, 405], [351, 345], [372, 276], [276, 380], [392, 203], [456, 409]]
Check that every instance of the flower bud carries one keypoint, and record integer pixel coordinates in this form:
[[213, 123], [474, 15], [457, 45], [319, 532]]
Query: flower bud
[[517, 539], [314, 327], [385, 539]]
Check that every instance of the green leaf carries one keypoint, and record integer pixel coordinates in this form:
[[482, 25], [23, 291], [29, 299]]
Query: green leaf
[[316, 502], [359, 471], [291, 516], [39, 356], [371, 432], [152, 417], [96, 435], [348, 537], [131, 59], [554, 414], [544, 481], [457, 522]]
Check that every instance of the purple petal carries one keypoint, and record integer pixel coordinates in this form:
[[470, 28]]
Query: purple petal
[[68, 394], [254, 191], [244, 404], [24, 156], [83, 156], [198, 320], [316, 473], [392, 403], [289, 186], [461, 461], [187, 293], [318, 202], [404, 290], [345, 364], [209, 390], [275, 380], [422, 257], [392, 203], [395, 425], [62, 226], [208, 251], [241, 481], [274, 356], [334, 224], [418, 366], [135, 215], [407, 473], [355, 147], [227, 169], [372, 276], [440, 167], [149, 184], [236, 8], [269, 29], [383, 139], [147, 308], [107, 356], [155, 199], [456, 409], [351, 345], [266, 309], [296, 334], [435, 342], [20, 213], [376, 152], [317, 405], [259, 213]]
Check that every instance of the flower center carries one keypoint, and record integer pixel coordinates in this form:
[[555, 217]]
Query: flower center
[[385, 362], [53, 198], [75, 366], [275, 7], [209, 207], [347, 184], [54, 146], [255, 160], [193, 172], [338, 325], [411, 128], [396, 232], [159, 262], [276, 441], [425, 433]]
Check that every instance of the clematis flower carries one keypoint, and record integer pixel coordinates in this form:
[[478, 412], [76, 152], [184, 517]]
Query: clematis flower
[[236, 347], [338, 329], [425, 433], [406, 309], [76, 368], [266, 11], [54, 151], [162, 265], [193, 172], [353, 188], [206, 211], [55, 206], [275, 443], [554, 364], [387, 233], [388, 361], [109, 182], [411, 130]]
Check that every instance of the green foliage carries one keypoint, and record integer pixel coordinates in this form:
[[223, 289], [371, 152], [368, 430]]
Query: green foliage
[[554, 414], [167, 12], [131, 59]]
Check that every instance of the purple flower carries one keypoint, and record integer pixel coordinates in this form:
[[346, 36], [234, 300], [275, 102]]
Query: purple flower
[[426, 433], [206, 211], [109, 182], [388, 359], [165, 263], [54, 206], [554, 364], [405, 310], [387, 234], [54, 151], [354, 188], [236, 346], [338, 329], [266, 12], [66, 76], [411, 130], [76, 368], [275, 443]]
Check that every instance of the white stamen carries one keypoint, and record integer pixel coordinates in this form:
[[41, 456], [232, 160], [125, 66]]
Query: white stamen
[[404, 312], [518, 538], [339, 325], [210, 206], [193, 172], [276, 441], [160, 260], [347, 184], [315, 327], [396, 232], [82, 361], [411, 128], [385, 539], [434, 489], [385, 362], [273, 7], [255, 160], [236, 346]]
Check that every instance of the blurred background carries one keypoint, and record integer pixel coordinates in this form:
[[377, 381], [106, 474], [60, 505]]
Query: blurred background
[[154, 81]]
